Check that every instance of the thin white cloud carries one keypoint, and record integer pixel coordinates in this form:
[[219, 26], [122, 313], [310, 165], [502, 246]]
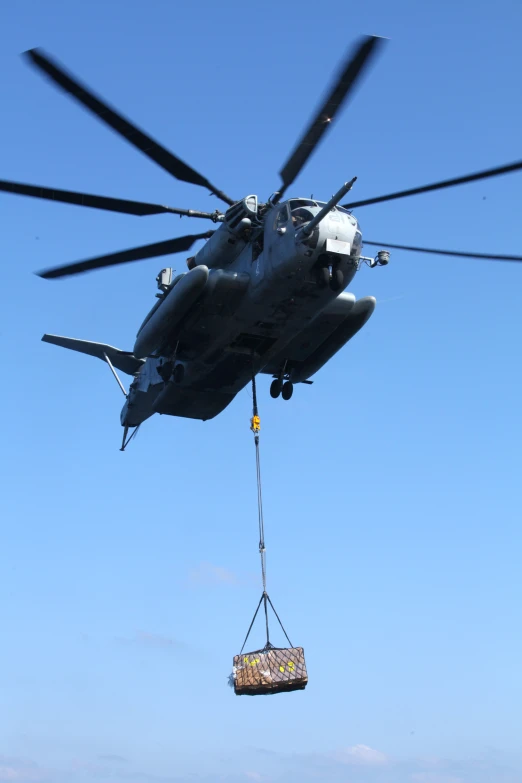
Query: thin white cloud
[[113, 758], [361, 754], [14, 771], [354, 764], [11, 773]]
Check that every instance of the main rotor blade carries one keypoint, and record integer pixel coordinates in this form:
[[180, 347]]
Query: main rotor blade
[[121, 125], [164, 248], [447, 183], [459, 253], [349, 73], [122, 205]]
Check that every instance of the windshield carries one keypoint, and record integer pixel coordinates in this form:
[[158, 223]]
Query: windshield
[[301, 202], [334, 209], [300, 212], [300, 216]]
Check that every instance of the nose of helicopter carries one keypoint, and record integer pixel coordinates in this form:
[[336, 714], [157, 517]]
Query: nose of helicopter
[[338, 235], [332, 249], [337, 226]]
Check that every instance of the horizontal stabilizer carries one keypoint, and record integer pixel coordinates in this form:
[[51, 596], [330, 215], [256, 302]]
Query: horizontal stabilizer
[[126, 362]]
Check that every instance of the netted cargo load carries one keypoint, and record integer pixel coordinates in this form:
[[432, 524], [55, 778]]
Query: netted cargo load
[[272, 670]]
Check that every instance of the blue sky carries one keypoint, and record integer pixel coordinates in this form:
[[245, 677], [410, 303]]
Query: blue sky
[[392, 489]]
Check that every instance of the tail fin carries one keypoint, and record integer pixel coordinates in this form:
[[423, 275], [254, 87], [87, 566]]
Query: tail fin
[[122, 360]]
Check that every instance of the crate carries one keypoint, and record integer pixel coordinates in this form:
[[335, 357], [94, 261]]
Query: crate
[[271, 670]]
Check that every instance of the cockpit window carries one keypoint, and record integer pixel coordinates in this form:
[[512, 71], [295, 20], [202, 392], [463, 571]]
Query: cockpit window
[[357, 244], [337, 208], [299, 212], [282, 217], [301, 202], [300, 216]]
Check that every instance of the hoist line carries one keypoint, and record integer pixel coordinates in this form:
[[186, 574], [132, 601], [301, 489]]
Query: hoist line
[[261, 522], [255, 428], [265, 599], [262, 550]]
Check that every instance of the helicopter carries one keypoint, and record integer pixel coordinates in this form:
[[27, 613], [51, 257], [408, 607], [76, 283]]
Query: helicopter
[[266, 293]]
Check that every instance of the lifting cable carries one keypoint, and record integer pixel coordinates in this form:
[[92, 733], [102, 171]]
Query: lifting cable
[[255, 426]]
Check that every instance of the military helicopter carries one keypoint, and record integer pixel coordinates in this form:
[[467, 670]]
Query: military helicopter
[[264, 294]]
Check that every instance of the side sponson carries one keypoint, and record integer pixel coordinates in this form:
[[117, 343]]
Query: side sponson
[[122, 360], [315, 334], [354, 321]]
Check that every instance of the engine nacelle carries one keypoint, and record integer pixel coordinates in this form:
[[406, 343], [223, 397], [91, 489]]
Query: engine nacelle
[[165, 317], [227, 242]]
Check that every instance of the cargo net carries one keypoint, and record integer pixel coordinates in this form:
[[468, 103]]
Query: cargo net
[[271, 669], [274, 670]]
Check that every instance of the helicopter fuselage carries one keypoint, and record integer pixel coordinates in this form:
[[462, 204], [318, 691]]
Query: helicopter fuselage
[[221, 322]]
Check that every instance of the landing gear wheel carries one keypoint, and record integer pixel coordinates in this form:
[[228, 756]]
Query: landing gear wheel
[[323, 276], [337, 280], [275, 389], [287, 390], [179, 373]]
